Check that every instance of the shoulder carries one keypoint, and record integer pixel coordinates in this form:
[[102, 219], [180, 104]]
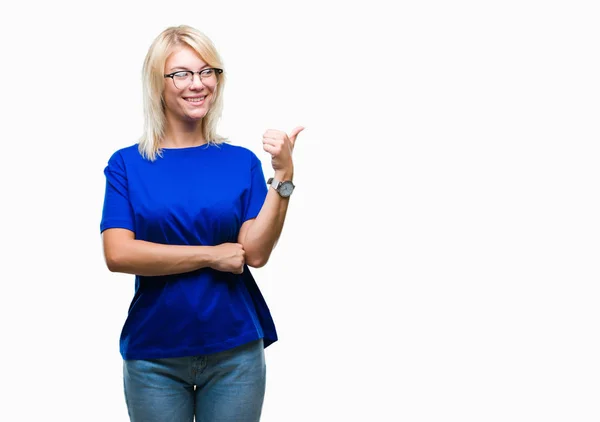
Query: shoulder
[[234, 149], [129, 152], [126, 154], [236, 152], [121, 159]]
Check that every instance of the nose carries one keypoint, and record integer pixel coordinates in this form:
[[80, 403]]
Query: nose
[[196, 81]]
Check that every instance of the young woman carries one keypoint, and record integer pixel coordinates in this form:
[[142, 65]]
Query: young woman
[[187, 213]]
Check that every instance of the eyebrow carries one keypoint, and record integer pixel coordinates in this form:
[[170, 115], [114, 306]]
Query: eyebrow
[[173, 69]]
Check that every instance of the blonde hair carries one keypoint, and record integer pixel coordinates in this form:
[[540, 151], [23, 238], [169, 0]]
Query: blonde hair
[[153, 81]]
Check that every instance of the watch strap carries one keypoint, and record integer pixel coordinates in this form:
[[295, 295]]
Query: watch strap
[[274, 183], [277, 185]]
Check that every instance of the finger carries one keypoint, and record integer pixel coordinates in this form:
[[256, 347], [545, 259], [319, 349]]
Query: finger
[[271, 149], [274, 133], [273, 139], [275, 143], [294, 134], [275, 136]]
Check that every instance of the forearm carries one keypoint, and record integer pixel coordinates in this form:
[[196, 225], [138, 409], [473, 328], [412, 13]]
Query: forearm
[[155, 259], [263, 234]]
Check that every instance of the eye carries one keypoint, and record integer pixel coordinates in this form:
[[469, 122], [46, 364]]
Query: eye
[[207, 72], [181, 75]]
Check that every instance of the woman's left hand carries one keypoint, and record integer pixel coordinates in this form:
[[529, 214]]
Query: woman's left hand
[[280, 146]]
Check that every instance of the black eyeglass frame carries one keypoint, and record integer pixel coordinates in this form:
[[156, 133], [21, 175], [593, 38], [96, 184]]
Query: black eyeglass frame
[[215, 69]]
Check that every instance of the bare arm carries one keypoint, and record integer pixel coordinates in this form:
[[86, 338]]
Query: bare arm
[[124, 254], [260, 235]]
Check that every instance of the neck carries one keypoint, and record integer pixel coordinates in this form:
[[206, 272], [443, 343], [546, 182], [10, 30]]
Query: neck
[[183, 134]]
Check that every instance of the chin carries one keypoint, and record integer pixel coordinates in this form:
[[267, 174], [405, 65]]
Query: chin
[[197, 113], [196, 116]]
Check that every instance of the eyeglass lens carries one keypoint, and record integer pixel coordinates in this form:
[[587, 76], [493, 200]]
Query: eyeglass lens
[[184, 79]]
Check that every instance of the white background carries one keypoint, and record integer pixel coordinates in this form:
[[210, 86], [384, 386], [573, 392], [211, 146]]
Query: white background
[[440, 257]]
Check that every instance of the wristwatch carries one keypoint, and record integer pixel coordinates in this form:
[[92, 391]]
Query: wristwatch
[[284, 189]]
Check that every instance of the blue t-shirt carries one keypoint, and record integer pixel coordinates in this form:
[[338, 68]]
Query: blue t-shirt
[[189, 196]]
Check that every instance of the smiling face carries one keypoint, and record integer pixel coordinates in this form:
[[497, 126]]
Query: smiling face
[[192, 103]]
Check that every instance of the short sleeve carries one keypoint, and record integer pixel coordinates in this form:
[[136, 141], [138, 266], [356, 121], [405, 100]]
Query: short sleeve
[[258, 190], [117, 211]]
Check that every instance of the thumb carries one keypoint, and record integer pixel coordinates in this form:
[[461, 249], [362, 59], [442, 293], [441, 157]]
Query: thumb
[[294, 133]]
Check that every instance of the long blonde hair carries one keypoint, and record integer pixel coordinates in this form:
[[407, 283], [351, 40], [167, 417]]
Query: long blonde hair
[[153, 84]]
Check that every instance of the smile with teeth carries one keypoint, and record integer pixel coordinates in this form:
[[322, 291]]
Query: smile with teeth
[[195, 99]]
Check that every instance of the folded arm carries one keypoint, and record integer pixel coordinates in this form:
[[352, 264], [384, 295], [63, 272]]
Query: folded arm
[[124, 254]]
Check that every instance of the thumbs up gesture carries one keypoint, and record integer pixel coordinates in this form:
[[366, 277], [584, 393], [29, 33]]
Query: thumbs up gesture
[[281, 145]]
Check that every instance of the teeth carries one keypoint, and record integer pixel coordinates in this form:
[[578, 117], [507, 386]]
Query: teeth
[[195, 100]]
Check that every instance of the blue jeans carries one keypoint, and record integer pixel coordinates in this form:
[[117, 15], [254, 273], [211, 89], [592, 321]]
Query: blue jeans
[[222, 387]]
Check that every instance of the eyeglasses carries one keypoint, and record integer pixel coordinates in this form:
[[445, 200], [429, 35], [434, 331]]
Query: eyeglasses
[[183, 78]]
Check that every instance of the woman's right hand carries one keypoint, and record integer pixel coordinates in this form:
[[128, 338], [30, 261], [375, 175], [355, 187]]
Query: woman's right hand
[[228, 257]]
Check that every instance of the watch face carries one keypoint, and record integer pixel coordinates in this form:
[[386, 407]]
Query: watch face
[[286, 189]]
